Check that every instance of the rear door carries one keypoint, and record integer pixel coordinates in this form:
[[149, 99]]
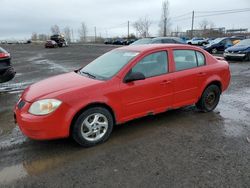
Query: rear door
[[185, 77]]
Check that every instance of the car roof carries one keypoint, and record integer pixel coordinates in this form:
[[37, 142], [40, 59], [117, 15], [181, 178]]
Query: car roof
[[149, 47]]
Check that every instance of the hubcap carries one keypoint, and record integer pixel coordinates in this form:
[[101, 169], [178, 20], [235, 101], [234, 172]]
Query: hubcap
[[94, 127], [210, 100]]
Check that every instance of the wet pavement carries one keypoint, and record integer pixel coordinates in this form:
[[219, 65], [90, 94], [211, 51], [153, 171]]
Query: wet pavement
[[179, 148]]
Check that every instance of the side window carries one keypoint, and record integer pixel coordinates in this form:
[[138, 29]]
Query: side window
[[184, 59], [152, 65], [200, 58]]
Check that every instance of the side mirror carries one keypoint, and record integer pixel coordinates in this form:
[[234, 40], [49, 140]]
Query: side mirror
[[133, 76]]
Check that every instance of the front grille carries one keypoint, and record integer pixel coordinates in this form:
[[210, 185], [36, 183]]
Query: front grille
[[21, 104]]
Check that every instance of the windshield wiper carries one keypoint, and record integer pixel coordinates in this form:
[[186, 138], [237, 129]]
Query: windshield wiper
[[88, 74]]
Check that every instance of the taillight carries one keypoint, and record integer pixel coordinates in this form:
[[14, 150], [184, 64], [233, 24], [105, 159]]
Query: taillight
[[4, 55]]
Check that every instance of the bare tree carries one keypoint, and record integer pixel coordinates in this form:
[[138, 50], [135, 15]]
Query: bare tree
[[67, 34], [204, 24], [142, 26], [83, 32], [165, 19], [55, 30], [34, 36], [42, 37]]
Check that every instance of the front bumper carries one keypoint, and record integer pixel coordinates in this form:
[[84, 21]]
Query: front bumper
[[47, 127], [234, 55]]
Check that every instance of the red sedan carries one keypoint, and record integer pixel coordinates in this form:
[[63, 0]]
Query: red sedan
[[121, 85]]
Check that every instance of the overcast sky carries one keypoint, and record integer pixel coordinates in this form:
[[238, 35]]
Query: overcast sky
[[19, 18]]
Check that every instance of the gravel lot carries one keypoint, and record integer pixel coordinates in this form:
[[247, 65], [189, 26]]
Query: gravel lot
[[179, 148]]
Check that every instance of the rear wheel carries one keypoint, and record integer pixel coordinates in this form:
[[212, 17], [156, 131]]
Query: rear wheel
[[93, 126], [209, 99]]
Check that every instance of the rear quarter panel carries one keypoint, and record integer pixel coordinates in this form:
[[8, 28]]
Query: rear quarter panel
[[217, 70]]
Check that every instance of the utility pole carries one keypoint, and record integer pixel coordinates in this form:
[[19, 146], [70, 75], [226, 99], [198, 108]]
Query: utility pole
[[95, 34], [165, 27], [192, 27], [128, 29], [72, 33]]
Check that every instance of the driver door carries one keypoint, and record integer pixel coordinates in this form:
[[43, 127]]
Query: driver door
[[151, 95]]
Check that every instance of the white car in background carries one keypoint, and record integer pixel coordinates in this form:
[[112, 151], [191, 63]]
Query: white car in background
[[197, 41]]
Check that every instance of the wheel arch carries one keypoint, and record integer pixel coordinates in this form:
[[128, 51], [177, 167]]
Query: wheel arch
[[91, 105], [216, 82]]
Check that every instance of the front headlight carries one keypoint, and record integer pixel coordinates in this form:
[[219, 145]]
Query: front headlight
[[45, 106]]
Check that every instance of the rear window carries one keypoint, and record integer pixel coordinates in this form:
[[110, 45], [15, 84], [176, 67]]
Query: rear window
[[200, 58]]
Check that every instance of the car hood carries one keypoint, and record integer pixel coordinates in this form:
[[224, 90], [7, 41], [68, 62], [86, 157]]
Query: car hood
[[238, 48], [63, 82]]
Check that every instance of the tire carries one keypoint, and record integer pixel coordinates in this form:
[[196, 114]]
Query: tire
[[214, 51], [247, 57], [209, 99], [8, 75], [93, 127]]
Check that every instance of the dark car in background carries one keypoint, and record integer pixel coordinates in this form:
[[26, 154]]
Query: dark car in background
[[142, 41], [7, 72], [59, 39], [168, 40], [239, 51], [220, 44], [159, 40], [108, 41], [118, 41], [51, 44]]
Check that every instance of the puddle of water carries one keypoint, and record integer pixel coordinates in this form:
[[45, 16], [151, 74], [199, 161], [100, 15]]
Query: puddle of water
[[234, 108], [15, 138], [39, 56], [14, 87], [52, 65], [12, 173]]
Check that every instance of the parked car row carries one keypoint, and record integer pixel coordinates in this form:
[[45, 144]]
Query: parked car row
[[159, 40], [6, 70], [119, 41]]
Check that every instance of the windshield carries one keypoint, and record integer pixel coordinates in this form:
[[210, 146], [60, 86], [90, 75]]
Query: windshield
[[107, 65], [244, 42], [142, 41], [215, 41]]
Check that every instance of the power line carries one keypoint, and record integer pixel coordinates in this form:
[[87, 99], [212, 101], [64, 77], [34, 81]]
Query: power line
[[217, 11], [223, 13]]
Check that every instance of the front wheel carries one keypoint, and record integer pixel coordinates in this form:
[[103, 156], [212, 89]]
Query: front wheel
[[247, 57], [209, 99], [93, 126], [214, 51]]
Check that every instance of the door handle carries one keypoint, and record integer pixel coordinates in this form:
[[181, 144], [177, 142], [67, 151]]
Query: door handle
[[165, 82], [202, 73]]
